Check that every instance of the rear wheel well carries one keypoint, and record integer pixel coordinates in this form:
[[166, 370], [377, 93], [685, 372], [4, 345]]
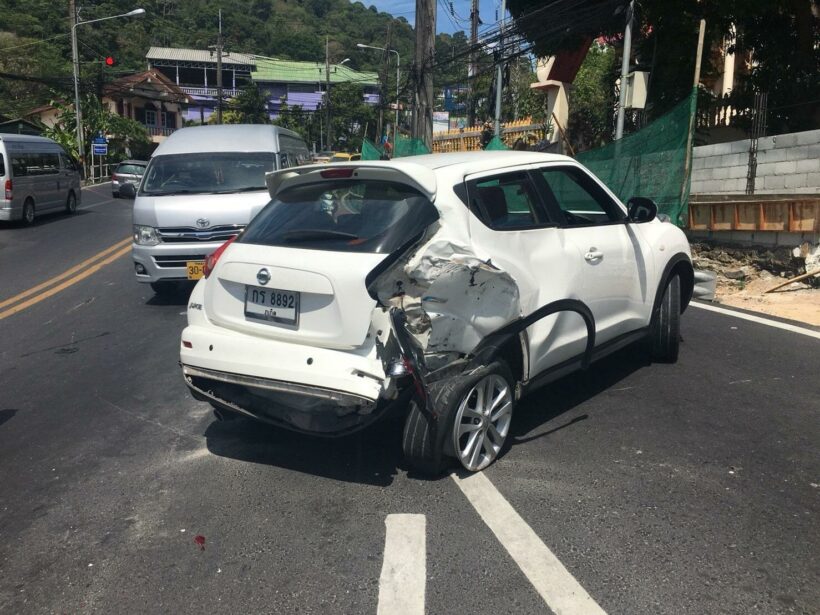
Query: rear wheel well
[[513, 355]]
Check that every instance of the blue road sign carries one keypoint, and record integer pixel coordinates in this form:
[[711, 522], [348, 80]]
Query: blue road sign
[[100, 149]]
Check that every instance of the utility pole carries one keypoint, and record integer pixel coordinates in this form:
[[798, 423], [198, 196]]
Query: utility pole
[[499, 73], [219, 72], [630, 14], [472, 70], [424, 56], [329, 131], [75, 59]]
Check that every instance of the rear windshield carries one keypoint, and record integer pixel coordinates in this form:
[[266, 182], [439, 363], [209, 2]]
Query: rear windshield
[[131, 169], [343, 216], [208, 173]]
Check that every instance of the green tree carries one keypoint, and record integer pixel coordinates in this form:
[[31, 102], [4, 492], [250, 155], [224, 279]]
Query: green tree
[[780, 36], [592, 100], [127, 138], [250, 106], [350, 115]]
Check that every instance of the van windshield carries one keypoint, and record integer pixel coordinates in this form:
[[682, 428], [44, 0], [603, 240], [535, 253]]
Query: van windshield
[[207, 173]]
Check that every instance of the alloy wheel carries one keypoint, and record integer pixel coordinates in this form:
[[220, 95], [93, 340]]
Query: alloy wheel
[[482, 422]]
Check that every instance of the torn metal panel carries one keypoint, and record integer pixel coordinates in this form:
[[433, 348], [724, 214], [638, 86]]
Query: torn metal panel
[[452, 298]]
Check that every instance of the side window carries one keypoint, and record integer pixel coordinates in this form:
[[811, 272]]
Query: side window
[[506, 202], [67, 163], [580, 201], [19, 165], [51, 164], [2, 165]]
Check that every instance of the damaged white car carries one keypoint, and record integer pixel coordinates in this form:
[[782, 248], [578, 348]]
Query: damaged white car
[[445, 286]]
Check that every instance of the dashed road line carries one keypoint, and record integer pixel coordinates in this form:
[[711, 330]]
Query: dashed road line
[[554, 583], [758, 319], [404, 569]]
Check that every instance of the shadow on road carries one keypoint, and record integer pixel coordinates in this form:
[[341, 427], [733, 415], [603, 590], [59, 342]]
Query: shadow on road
[[177, 293], [569, 392], [371, 456], [6, 415], [42, 220]]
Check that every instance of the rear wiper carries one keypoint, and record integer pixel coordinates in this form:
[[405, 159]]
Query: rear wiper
[[311, 234]]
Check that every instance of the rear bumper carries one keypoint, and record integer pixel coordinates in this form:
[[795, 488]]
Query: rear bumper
[[308, 389]]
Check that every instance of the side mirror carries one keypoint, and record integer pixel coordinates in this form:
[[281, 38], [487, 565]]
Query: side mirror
[[642, 209], [128, 191]]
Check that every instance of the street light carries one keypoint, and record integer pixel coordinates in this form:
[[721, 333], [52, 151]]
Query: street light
[[76, 62], [398, 63]]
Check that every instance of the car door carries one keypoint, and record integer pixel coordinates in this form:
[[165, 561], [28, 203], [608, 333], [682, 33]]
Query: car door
[[610, 254], [512, 228]]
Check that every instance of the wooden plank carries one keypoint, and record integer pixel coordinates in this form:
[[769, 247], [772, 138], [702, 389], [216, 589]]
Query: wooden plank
[[723, 216], [748, 215], [699, 216], [805, 217], [775, 216]]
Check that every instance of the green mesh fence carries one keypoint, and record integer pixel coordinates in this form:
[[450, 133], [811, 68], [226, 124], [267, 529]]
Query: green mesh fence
[[404, 147], [496, 144], [370, 151], [650, 162], [409, 147]]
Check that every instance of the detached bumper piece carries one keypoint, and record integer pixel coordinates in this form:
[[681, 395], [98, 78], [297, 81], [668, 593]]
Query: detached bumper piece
[[302, 408]]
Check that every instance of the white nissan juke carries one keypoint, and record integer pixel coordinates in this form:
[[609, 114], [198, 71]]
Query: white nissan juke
[[444, 286]]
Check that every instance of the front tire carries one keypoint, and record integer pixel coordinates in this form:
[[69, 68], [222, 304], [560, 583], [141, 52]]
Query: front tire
[[664, 331]]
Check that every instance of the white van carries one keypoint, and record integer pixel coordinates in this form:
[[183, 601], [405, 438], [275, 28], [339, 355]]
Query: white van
[[37, 176], [202, 186]]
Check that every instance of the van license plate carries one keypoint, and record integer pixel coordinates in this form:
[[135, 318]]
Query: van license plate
[[272, 304], [196, 269]]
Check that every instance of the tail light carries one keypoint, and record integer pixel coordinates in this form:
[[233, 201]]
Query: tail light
[[8, 190], [114, 177], [212, 259]]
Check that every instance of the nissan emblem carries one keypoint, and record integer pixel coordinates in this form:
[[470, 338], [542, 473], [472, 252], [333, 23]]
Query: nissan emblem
[[263, 277]]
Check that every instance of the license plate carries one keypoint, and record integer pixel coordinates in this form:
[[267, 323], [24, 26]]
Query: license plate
[[272, 304], [196, 269]]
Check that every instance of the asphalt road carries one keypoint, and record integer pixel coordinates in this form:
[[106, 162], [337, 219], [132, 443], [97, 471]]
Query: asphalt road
[[687, 488]]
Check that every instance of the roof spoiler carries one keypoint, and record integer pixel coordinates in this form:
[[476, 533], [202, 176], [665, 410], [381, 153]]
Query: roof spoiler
[[419, 177]]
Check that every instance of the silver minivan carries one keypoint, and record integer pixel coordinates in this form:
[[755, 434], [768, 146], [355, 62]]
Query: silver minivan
[[37, 176], [202, 186]]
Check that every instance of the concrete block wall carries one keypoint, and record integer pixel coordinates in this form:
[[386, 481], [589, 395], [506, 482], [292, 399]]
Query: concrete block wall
[[788, 163]]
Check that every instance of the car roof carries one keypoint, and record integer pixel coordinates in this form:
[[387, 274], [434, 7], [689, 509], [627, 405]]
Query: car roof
[[424, 172], [13, 138], [223, 138], [478, 161]]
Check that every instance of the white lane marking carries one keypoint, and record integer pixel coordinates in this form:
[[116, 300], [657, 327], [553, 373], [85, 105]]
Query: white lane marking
[[758, 319], [404, 570], [559, 589]]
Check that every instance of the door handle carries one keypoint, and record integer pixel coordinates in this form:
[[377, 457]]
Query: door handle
[[593, 255]]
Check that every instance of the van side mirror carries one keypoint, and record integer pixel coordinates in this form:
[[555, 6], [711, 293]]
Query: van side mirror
[[128, 191], [642, 209]]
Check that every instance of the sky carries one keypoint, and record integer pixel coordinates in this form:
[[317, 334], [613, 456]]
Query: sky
[[445, 22]]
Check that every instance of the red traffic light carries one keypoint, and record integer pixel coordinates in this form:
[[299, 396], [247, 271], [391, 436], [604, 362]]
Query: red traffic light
[[110, 61]]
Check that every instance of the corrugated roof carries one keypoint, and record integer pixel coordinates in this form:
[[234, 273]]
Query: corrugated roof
[[197, 55], [290, 71]]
